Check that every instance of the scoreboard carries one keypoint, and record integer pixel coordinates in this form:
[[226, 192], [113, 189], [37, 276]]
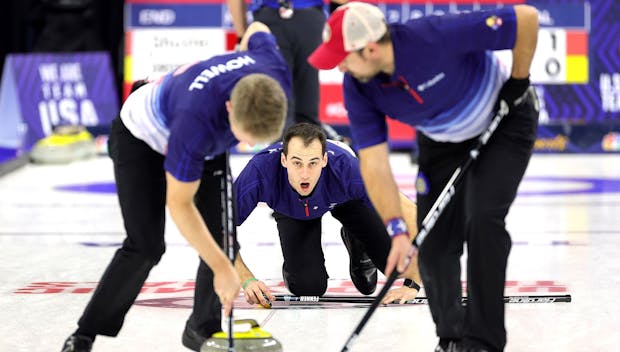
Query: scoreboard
[[562, 52]]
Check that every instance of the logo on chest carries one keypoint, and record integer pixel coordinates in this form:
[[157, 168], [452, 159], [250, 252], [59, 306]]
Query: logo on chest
[[431, 82]]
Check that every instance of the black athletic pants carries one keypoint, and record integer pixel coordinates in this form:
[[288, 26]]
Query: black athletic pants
[[476, 216], [141, 186], [304, 263], [297, 37]]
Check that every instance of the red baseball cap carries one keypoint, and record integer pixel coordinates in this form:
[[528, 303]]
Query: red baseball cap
[[349, 28]]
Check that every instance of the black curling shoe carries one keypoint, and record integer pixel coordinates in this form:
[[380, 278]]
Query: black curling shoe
[[363, 271], [77, 343]]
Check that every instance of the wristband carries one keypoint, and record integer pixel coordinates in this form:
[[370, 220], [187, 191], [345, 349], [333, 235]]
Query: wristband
[[411, 284], [396, 227], [247, 282]]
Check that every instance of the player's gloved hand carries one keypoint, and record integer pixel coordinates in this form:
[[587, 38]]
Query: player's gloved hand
[[256, 292], [513, 92]]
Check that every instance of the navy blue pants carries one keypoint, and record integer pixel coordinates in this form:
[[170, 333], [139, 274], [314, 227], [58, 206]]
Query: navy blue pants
[[297, 38]]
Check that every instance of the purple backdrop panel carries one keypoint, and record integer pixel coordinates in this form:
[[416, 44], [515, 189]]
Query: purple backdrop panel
[[67, 88]]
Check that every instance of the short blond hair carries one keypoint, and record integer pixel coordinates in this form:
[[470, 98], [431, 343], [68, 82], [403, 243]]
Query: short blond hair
[[259, 106]]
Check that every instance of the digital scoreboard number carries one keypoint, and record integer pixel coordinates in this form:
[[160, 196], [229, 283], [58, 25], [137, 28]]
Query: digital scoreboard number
[[562, 52], [561, 57]]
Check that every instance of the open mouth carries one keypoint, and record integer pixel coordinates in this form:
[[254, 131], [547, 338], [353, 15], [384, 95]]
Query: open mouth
[[305, 186]]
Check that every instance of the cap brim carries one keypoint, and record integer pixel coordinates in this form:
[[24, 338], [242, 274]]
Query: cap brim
[[325, 59]]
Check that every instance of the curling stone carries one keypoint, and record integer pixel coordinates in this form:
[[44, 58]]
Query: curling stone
[[253, 340]]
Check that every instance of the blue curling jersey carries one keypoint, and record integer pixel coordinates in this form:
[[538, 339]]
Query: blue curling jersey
[[446, 78], [184, 116], [264, 179]]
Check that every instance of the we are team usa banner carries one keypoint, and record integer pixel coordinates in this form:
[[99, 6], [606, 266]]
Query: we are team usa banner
[[576, 68], [43, 90]]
